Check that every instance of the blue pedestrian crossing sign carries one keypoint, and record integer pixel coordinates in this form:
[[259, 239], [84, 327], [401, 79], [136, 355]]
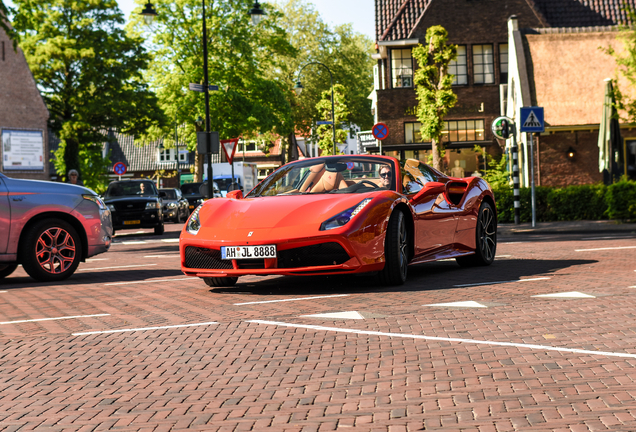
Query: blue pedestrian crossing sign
[[531, 119]]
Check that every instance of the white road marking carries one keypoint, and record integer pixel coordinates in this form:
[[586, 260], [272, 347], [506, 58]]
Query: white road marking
[[609, 248], [570, 294], [116, 267], [502, 256], [146, 281], [170, 240], [161, 256], [52, 319], [464, 304], [96, 259], [447, 339], [132, 242], [501, 282], [145, 328], [3, 291], [337, 315], [292, 299]]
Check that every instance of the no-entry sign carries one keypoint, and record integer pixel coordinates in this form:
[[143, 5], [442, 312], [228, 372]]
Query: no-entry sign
[[380, 131]]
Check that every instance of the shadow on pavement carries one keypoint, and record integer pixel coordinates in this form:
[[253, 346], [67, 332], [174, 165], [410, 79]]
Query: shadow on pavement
[[421, 277], [87, 277]]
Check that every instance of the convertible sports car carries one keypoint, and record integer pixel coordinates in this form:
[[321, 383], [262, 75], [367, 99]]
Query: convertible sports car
[[341, 214]]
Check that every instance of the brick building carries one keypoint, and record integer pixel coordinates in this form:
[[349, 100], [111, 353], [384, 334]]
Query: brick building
[[23, 117], [480, 30]]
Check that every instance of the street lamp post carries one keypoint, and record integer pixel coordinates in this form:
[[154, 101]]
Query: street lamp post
[[298, 88], [256, 14]]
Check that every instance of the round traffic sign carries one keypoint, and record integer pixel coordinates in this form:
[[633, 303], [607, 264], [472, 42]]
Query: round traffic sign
[[120, 168], [502, 127], [380, 131]]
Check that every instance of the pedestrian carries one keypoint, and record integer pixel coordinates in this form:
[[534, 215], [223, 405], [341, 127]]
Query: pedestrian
[[73, 178]]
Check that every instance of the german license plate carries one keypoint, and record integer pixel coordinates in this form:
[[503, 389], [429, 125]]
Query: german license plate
[[248, 252], [134, 222]]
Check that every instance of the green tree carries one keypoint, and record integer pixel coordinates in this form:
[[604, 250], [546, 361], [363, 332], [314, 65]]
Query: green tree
[[341, 112], [433, 85], [5, 12], [346, 53], [90, 75], [248, 103]]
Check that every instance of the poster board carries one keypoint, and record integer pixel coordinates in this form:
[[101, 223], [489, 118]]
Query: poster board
[[22, 150]]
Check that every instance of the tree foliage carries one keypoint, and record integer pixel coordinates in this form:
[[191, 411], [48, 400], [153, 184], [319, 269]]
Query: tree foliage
[[346, 53], [5, 11], [341, 112], [433, 85], [627, 67], [248, 102], [89, 73]]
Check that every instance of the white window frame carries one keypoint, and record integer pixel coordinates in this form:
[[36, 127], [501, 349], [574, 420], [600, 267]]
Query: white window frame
[[402, 68], [459, 66]]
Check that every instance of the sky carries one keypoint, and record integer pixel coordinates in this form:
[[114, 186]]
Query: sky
[[360, 13]]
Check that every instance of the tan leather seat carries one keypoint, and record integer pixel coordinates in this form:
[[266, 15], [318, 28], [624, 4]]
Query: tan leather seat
[[312, 179], [329, 181]]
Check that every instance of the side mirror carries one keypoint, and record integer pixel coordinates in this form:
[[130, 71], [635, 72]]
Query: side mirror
[[429, 189], [235, 194]]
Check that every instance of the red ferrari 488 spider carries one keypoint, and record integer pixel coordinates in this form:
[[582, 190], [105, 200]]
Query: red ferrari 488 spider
[[341, 214]]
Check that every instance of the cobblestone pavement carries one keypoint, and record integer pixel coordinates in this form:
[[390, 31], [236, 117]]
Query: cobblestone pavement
[[166, 352]]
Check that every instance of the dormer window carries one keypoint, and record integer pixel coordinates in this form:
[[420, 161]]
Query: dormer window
[[402, 68]]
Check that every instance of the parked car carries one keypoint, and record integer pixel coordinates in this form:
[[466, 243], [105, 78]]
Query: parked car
[[50, 228], [175, 206], [196, 194], [135, 204], [342, 215]]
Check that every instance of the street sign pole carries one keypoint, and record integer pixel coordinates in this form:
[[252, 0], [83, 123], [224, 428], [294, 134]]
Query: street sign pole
[[515, 176], [206, 90], [532, 194]]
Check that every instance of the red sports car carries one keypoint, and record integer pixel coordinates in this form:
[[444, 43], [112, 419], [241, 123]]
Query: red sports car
[[341, 214]]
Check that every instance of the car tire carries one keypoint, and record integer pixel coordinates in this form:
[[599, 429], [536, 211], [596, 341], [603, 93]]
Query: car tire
[[159, 229], [485, 239], [7, 269], [51, 250], [395, 251], [178, 219], [217, 282]]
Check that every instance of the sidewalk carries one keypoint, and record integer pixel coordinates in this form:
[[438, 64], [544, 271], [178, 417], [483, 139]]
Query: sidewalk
[[568, 227]]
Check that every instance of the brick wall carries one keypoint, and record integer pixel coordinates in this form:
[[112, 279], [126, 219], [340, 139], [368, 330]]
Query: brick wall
[[21, 106]]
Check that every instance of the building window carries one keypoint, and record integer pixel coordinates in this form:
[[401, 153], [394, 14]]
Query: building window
[[183, 155], [166, 156], [402, 68], [412, 132], [483, 66], [459, 67], [246, 146], [463, 130], [503, 63]]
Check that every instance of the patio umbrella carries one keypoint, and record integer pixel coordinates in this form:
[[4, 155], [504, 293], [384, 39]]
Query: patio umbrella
[[609, 135]]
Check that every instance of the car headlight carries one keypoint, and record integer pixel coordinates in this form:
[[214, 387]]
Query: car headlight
[[97, 200], [342, 218], [111, 207], [194, 224], [153, 205], [172, 205]]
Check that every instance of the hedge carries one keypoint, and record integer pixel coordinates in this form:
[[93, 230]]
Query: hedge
[[581, 202]]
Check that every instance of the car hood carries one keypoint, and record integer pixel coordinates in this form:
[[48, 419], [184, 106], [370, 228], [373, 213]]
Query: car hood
[[39, 186], [130, 198], [305, 213]]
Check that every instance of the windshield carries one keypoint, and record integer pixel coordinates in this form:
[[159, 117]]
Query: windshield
[[170, 193], [190, 189], [145, 188], [345, 174]]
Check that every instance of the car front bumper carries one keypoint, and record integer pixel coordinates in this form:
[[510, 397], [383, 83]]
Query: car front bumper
[[132, 220]]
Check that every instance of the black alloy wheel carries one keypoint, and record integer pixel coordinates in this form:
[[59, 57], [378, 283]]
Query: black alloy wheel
[[485, 239], [7, 269], [51, 250], [396, 251], [217, 282]]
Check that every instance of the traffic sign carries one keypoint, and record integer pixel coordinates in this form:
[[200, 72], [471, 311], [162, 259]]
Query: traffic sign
[[202, 144], [201, 88], [120, 168], [531, 119], [502, 127], [229, 147], [323, 122], [380, 131]]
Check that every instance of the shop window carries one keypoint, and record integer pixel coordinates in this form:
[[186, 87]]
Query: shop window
[[463, 130], [503, 63], [459, 67], [483, 66], [402, 68]]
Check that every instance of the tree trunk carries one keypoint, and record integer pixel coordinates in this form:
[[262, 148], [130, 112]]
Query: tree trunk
[[437, 162], [71, 157], [198, 167]]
